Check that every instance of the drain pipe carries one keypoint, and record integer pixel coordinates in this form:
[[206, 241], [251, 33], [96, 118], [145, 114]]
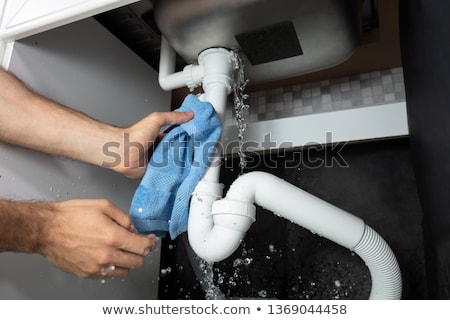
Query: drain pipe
[[217, 226], [206, 233], [211, 239], [191, 76], [320, 217], [214, 72]]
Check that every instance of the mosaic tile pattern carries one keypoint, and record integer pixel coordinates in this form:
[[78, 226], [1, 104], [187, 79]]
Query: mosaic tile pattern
[[363, 90]]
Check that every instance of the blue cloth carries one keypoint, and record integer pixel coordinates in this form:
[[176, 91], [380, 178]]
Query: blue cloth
[[161, 201]]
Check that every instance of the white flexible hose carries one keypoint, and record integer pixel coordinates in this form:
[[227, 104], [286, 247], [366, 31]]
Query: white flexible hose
[[382, 264]]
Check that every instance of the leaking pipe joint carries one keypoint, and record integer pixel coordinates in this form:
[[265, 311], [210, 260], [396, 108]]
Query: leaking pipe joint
[[214, 70], [217, 227]]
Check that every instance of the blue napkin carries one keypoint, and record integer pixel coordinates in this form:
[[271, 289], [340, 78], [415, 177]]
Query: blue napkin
[[161, 201]]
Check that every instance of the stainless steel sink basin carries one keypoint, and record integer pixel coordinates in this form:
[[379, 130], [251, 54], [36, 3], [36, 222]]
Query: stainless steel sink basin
[[276, 38]]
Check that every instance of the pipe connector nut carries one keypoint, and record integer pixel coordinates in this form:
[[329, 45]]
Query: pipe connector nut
[[193, 76], [235, 215]]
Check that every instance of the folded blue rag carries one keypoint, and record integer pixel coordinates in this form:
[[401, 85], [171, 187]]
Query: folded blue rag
[[161, 201]]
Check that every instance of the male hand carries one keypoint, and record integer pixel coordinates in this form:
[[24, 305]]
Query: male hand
[[93, 239], [142, 138]]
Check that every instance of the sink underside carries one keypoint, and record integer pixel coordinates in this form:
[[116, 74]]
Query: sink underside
[[276, 39]]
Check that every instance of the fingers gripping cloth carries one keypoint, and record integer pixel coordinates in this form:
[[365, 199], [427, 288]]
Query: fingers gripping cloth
[[161, 201]]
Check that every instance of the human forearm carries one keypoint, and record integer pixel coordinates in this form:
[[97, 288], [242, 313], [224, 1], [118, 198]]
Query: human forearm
[[34, 122], [23, 225]]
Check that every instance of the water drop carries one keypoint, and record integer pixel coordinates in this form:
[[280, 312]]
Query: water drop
[[237, 262], [166, 271], [262, 293]]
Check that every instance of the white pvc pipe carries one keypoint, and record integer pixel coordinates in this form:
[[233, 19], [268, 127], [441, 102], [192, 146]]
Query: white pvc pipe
[[224, 231], [191, 76], [285, 200], [214, 238], [298, 206], [218, 66], [306, 210]]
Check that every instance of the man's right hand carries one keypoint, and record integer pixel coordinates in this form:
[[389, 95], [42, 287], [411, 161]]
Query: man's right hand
[[93, 239]]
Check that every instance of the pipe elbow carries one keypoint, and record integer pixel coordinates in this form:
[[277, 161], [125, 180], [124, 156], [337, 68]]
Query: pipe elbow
[[164, 83], [216, 245], [216, 228], [191, 76]]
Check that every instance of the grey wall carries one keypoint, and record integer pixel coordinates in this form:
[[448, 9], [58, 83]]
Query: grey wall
[[83, 66]]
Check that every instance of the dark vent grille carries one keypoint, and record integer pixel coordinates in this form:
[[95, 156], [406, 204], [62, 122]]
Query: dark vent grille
[[271, 43]]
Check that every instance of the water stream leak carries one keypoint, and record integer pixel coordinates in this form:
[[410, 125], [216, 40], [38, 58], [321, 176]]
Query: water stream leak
[[212, 292], [240, 107]]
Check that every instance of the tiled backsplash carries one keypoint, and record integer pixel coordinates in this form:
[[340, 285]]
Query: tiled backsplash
[[363, 90]]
